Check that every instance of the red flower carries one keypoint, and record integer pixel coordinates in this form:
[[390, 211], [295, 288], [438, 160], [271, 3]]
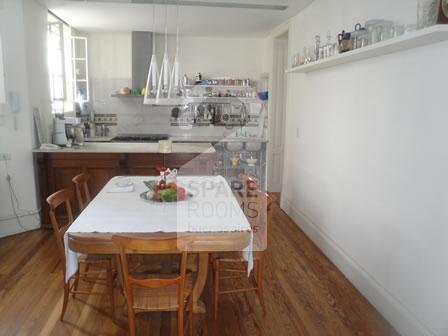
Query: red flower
[[160, 168]]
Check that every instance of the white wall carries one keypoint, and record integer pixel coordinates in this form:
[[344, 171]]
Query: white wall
[[110, 58], [110, 55], [366, 176], [222, 56], [23, 30]]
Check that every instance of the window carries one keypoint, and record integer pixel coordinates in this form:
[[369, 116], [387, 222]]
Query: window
[[60, 65], [80, 70]]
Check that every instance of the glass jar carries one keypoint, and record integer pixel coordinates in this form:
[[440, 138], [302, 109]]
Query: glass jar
[[380, 30], [360, 37], [427, 13], [445, 7], [399, 29]]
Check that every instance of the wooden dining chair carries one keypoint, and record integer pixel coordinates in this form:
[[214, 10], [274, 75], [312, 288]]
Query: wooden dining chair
[[155, 292], [250, 185], [63, 200], [81, 183], [257, 205]]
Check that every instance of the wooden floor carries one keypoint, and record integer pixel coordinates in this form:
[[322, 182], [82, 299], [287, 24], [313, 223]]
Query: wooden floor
[[305, 295]]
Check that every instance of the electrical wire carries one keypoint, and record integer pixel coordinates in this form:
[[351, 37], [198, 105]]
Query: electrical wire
[[15, 204]]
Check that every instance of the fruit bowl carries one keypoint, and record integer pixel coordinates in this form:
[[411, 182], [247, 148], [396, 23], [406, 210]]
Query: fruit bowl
[[161, 192]]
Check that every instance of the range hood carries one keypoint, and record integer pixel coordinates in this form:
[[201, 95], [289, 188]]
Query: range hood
[[141, 57]]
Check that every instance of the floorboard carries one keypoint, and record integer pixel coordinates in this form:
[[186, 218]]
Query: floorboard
[[305, 295]]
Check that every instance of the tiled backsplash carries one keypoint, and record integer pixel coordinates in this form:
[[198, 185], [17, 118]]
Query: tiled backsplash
[[134, 117]]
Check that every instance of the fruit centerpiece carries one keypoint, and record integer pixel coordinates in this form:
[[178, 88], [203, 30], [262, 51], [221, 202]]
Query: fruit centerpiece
[[165, 189]]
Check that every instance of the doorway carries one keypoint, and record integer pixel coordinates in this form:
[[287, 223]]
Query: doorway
[[277, 113]]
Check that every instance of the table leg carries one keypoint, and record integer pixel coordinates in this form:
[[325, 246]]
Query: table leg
[[199, 306]]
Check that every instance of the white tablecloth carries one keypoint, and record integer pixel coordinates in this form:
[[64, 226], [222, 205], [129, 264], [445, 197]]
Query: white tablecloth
[[213, 208]]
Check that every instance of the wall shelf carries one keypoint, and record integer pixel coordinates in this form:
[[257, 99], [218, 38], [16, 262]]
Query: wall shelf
[[190, 100], [119, 95], [217, 86], [420, 38]]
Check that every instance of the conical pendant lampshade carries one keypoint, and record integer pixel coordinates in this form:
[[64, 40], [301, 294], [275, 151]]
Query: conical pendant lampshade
[[176, 87], [164, 76], [153, 72], [153, 75]]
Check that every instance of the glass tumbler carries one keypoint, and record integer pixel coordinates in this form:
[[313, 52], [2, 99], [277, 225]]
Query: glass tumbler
[[427, 13]]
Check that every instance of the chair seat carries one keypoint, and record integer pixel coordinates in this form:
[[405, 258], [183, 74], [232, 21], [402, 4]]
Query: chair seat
[[160, 299], [234, 257], [94, 258]]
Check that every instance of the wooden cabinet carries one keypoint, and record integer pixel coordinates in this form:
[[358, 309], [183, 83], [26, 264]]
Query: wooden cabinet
[[144, 164], [190, 164], [56, 170]]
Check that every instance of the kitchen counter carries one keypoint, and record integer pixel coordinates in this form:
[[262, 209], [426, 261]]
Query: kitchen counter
[[99, 139], [102, 161], [104, 147]]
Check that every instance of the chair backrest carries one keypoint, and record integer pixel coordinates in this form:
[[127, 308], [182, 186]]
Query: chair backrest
[[62, 198], [250, 184], [130, 245], [257, 206], [81, 182]]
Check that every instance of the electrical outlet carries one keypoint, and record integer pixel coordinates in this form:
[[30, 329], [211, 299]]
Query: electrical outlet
[[5, 156]]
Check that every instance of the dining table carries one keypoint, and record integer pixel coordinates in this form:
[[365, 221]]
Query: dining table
[[210, 219]]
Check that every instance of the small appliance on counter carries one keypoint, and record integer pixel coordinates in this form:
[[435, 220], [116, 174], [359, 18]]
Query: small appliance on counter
[[68, 131], [74, 130], [59, 133]]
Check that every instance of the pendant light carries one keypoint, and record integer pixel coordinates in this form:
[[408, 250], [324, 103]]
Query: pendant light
[[176, 86], [153, 72], [164, 76]]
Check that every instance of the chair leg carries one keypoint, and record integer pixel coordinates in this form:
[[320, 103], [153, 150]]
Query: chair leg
[[64, 304], [75, 284], [260, 276], [190, 316], [216, 288], [131, 322], [110, 286], [180, 321]]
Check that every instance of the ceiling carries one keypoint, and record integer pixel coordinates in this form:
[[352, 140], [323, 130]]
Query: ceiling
[[197, 17]]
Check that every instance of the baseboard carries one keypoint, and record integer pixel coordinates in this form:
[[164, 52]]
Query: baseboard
[[390, 307], [11, 227]]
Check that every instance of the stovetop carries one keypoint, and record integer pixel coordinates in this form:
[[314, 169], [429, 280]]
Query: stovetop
[[140, 137]]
